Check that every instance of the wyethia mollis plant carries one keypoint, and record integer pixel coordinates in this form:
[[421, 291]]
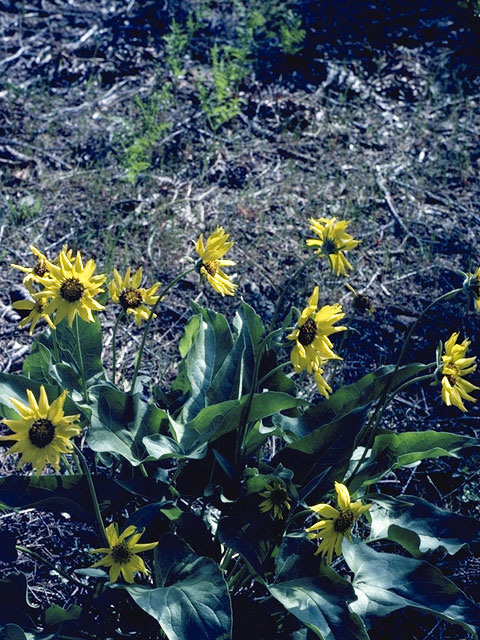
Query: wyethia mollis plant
[[246, 495]]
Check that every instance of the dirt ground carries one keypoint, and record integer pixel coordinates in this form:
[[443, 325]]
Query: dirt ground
[[380, 128]]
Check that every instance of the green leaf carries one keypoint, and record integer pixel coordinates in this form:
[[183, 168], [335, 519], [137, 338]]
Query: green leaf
[[321, 603], [120, 422], [208, 350], [38, 364], [419, 526], [395, 450], [159, 447], [193, 601], [56, 614], [16, 386], [90, 344], [385, 582], [12, 632], [235, 534], [326, 434]]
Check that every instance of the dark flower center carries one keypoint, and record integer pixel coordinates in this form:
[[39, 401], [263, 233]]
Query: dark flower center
[[211, 267], [307, 332], [451, 373], [72, 290], [278, 496], [131, 299], [121, 553], [41, 433], [39, 307], [329, 246], [344, 521], [40, 268], [363, 304]]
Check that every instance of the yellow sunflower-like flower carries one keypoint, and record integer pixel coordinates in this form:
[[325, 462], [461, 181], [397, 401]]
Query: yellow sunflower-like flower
[[312, 344], [133, 298], [121, 553], [276, 499], [36, 310], [43, 432], [70, 288], [336, 524], [211, 254], [332, 242], [455, 367]]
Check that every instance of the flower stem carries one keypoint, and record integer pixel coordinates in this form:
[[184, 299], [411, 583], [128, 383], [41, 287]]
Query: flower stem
[[242, 427], [40, 558], [285, 289], [56, 353], [162, 293], [96, 507], [80, 361], [114, 345], [382, 403], [278, 368]]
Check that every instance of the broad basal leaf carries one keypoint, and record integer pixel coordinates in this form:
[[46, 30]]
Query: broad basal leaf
[[395, 450], [321, 603], [120, 421], [385, 582], [193, 601], [420, 526]]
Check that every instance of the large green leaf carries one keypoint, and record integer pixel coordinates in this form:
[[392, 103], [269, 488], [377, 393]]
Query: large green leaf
[[120, 422], [208, 349], [218, 419], [352, 398], [395, 450], [321, 603], [192, 601], [90, 334], [15, 606], [420, 526], [385, 582], [159, 446], [325, 435]]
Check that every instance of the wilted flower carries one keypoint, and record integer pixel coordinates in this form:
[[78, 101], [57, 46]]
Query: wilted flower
[[36, 309], [43, 432], [120, 555], [276, 499], [332, 242], [211, 254], [336, 523], [455, 367]]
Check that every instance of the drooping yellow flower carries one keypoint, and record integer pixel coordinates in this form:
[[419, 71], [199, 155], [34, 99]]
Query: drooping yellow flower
[[43, 432], [336, 524], [455, 367], [312, 344], [332, 242], [121, 553], [39, 269], [276, 499], [211, 254], [36, 309], [70, 288], [133, 298]]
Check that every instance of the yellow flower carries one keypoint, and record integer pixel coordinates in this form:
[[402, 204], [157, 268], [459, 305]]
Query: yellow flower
[[312, 344], [35, 307], [211, 254], [336, 523], [333, 240], [121, 553], [455, 367], [276, 498], [43, 432], [70, 288], [133, 298], [39, 269]]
